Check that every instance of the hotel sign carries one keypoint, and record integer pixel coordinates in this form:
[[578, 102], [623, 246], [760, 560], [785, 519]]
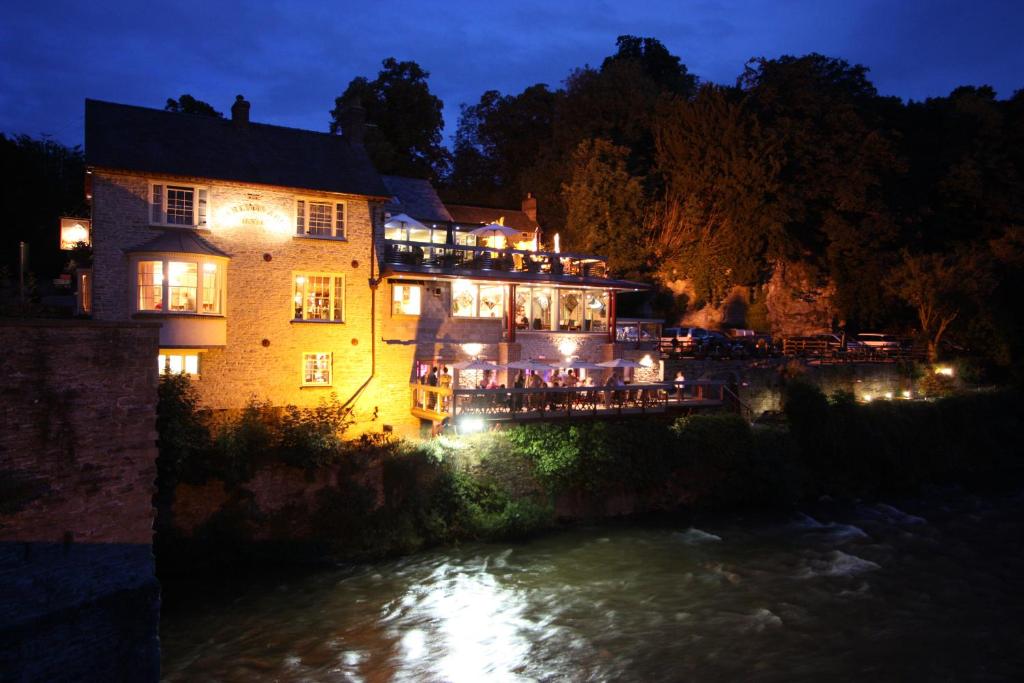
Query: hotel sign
[[252, 212], [74, 231]]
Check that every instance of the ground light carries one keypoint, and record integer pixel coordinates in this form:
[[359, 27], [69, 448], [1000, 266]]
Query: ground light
[[469, 424]]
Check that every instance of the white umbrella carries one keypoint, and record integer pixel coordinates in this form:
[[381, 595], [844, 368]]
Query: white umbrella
[[534, 365], [493, 229], [620, 363], [404, 220], [477, 365], [578, 364]]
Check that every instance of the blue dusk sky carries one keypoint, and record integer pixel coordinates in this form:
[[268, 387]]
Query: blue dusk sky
[[292, 58]]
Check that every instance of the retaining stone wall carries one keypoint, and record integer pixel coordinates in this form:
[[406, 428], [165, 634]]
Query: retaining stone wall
[[78, 595]]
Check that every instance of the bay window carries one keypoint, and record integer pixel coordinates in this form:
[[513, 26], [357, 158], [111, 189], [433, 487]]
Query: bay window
[[174, 285], [319, 297]]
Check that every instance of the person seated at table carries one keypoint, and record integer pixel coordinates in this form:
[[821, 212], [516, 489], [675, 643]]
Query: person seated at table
[[571, 379]]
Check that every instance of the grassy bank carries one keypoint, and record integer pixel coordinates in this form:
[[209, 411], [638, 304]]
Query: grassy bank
[[374, 497]]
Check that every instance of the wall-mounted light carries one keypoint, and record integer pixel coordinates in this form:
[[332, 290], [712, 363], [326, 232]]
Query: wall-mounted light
[[567, 347], [473, 349], [647, 361], [944, 370]]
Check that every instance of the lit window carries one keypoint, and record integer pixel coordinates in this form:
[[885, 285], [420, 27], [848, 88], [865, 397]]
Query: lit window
[[319, 296], [178, 205], [492, 301], [319, 219], [472, 300], [178, 362], [464, 295], [182, 281], [596, 313], [406, 299], [176, 286], [570, 309], [151, 285], [316, 369]]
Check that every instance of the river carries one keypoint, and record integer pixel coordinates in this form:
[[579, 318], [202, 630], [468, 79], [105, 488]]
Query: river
[[924, 589]]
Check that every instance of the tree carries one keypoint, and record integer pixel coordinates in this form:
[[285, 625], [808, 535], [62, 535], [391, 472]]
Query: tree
[[186, 104], [660, 65], [404, 132], [43, 181], [605, 205], [719, 215], [939, 287], [839, 164]]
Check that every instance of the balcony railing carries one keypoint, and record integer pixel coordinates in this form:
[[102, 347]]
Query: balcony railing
[[431, 255], [437, 403]]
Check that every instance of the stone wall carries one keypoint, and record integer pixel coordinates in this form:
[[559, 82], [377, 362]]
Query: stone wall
[[78, 595]]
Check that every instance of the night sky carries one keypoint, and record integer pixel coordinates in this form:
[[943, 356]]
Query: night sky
[[291, 59]]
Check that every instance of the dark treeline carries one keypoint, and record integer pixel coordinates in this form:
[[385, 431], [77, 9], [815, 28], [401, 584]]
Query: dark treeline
[[911, 211]]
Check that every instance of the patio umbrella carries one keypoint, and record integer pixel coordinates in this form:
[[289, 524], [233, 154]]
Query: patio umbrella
[[477, 365], [404, 220], [578, 364], [620, 363], [534, 365], [495, 229]]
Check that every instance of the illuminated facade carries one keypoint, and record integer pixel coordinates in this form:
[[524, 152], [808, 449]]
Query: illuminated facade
[[270, 259]]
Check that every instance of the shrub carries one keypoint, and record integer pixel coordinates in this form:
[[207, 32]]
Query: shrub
[[183, 440]]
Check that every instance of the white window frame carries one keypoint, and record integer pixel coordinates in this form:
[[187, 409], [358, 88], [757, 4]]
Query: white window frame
[[158, 204], [330, 369], [220, 284], [301, 218], [306, 274]]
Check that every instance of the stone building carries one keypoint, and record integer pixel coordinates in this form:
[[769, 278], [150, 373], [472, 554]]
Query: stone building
[[272, 260]]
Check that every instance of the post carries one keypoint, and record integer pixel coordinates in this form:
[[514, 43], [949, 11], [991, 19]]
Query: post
[[22, 267], [612, 319], [511, 307]]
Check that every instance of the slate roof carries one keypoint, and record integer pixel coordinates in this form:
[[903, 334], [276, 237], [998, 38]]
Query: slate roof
[[177, 240], [125, 137], [480, 215], [415, 197]]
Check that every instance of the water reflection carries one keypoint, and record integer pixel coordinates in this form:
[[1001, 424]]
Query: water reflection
[[875, 591]]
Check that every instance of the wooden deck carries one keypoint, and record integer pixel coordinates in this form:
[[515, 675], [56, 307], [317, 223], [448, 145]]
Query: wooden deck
[[552, 403]]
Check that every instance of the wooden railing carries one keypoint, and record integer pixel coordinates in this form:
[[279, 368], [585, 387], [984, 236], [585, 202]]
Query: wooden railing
[[465, 257], [437, 403]]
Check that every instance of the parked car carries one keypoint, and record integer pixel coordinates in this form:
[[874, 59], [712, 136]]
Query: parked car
[[835, 343], [717, 345], [880, 342], [682, 338]]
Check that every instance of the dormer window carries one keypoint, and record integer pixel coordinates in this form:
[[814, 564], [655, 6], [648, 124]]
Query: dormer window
[[178, 205]]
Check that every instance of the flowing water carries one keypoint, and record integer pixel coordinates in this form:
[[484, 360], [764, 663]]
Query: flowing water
[[929, 589]]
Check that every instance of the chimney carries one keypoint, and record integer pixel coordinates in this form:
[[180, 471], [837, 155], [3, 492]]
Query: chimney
[[530, 206], [353, 121], [240, 111]]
